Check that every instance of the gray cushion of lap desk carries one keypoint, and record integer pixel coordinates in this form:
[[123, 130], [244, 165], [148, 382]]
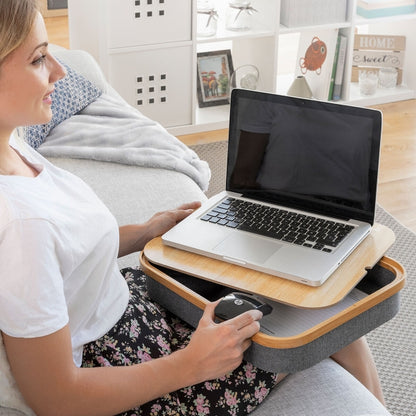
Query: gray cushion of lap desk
[[296, 359], [290, 359]]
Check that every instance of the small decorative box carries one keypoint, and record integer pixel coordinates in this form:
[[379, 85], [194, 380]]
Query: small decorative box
[[383, 8]]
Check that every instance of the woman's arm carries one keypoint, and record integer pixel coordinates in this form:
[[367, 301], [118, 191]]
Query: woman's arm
[[51, 383], [134, 237]]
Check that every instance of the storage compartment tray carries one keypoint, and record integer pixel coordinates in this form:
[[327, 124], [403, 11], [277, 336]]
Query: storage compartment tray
[[377, 302]]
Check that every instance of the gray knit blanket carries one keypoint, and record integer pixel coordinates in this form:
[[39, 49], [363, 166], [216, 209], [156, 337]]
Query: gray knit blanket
[[110, 130]]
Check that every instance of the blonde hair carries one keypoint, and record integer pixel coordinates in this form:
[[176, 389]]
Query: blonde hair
[[16, 21]]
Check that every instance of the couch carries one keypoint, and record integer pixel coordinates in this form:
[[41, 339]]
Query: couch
[[133, 193]]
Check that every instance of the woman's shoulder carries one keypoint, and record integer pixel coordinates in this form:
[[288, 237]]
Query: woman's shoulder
[[21, 215]]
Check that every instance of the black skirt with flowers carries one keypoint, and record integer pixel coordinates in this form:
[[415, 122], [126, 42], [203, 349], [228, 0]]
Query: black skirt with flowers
[[147, 331]]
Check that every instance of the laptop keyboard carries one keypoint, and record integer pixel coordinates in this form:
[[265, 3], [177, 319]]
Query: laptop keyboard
[[288, 226]]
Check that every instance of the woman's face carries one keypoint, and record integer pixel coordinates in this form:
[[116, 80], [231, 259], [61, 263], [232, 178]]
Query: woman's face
[[27, 78]]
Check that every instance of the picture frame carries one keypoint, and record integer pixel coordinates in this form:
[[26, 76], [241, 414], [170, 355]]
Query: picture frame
[[214, 70]]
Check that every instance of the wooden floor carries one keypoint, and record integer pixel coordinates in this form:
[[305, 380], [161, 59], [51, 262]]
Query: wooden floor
[[57, 28], [397, 181]]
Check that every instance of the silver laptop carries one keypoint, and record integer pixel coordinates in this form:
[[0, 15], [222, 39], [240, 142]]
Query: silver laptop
[[300, 188]]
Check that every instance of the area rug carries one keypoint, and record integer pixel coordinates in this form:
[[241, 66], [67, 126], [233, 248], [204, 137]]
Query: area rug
[[394, 343]]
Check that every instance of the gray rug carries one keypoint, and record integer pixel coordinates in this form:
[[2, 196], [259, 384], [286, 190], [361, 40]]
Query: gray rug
[[394, 343]]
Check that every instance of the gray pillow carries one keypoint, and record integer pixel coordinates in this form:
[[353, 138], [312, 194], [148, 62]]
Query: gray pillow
[[72, 94]]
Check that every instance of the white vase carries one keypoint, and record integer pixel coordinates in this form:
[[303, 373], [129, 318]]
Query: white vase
[[300, 88], [238, 15]]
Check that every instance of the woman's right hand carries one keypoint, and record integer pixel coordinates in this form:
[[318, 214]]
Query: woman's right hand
[[217, 348]]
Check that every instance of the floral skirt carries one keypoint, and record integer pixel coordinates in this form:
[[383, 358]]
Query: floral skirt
[[147, 331]]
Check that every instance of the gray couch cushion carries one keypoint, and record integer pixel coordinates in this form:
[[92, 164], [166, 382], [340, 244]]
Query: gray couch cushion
[[323, 390], [4, 411]]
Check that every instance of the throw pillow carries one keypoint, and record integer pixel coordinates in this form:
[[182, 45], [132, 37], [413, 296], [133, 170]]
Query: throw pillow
[[72, 93]]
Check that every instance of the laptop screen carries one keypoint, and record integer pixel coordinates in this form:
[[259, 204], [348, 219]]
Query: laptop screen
[[305, 154]]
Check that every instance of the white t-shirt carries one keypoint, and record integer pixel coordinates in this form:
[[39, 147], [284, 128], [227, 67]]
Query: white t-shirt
[[58, 251]]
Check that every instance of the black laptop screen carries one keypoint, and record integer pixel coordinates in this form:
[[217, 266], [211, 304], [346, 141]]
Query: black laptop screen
[[305, 154]]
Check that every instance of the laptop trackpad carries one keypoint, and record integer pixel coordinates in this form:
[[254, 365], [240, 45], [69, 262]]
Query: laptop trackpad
[[247, 248]]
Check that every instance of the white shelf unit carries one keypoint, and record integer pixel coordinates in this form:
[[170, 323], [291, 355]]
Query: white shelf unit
[[148, 52], [403, 25]]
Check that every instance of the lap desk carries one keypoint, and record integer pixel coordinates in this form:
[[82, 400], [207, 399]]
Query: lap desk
[[308, 323]]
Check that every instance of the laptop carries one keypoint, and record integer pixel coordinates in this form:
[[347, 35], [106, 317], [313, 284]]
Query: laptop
[[300, 191]]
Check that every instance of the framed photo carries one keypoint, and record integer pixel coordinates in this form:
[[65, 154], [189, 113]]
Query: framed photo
[[214, 74]]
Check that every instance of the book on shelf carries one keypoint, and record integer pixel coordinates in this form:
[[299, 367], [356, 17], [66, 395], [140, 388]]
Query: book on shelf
[[334, 70], [315, 60], [340, 67]]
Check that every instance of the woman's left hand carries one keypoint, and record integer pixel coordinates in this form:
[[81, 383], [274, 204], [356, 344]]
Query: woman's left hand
[[134, 237], [164, 221]]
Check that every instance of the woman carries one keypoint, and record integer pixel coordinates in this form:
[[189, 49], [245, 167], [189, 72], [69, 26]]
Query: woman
[[79, 336]]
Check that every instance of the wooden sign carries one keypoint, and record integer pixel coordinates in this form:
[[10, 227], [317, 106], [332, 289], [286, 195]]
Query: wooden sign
[[372, 52]]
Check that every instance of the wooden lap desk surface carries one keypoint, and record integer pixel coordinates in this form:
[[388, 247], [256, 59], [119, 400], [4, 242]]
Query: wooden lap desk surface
[[346, 277]]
